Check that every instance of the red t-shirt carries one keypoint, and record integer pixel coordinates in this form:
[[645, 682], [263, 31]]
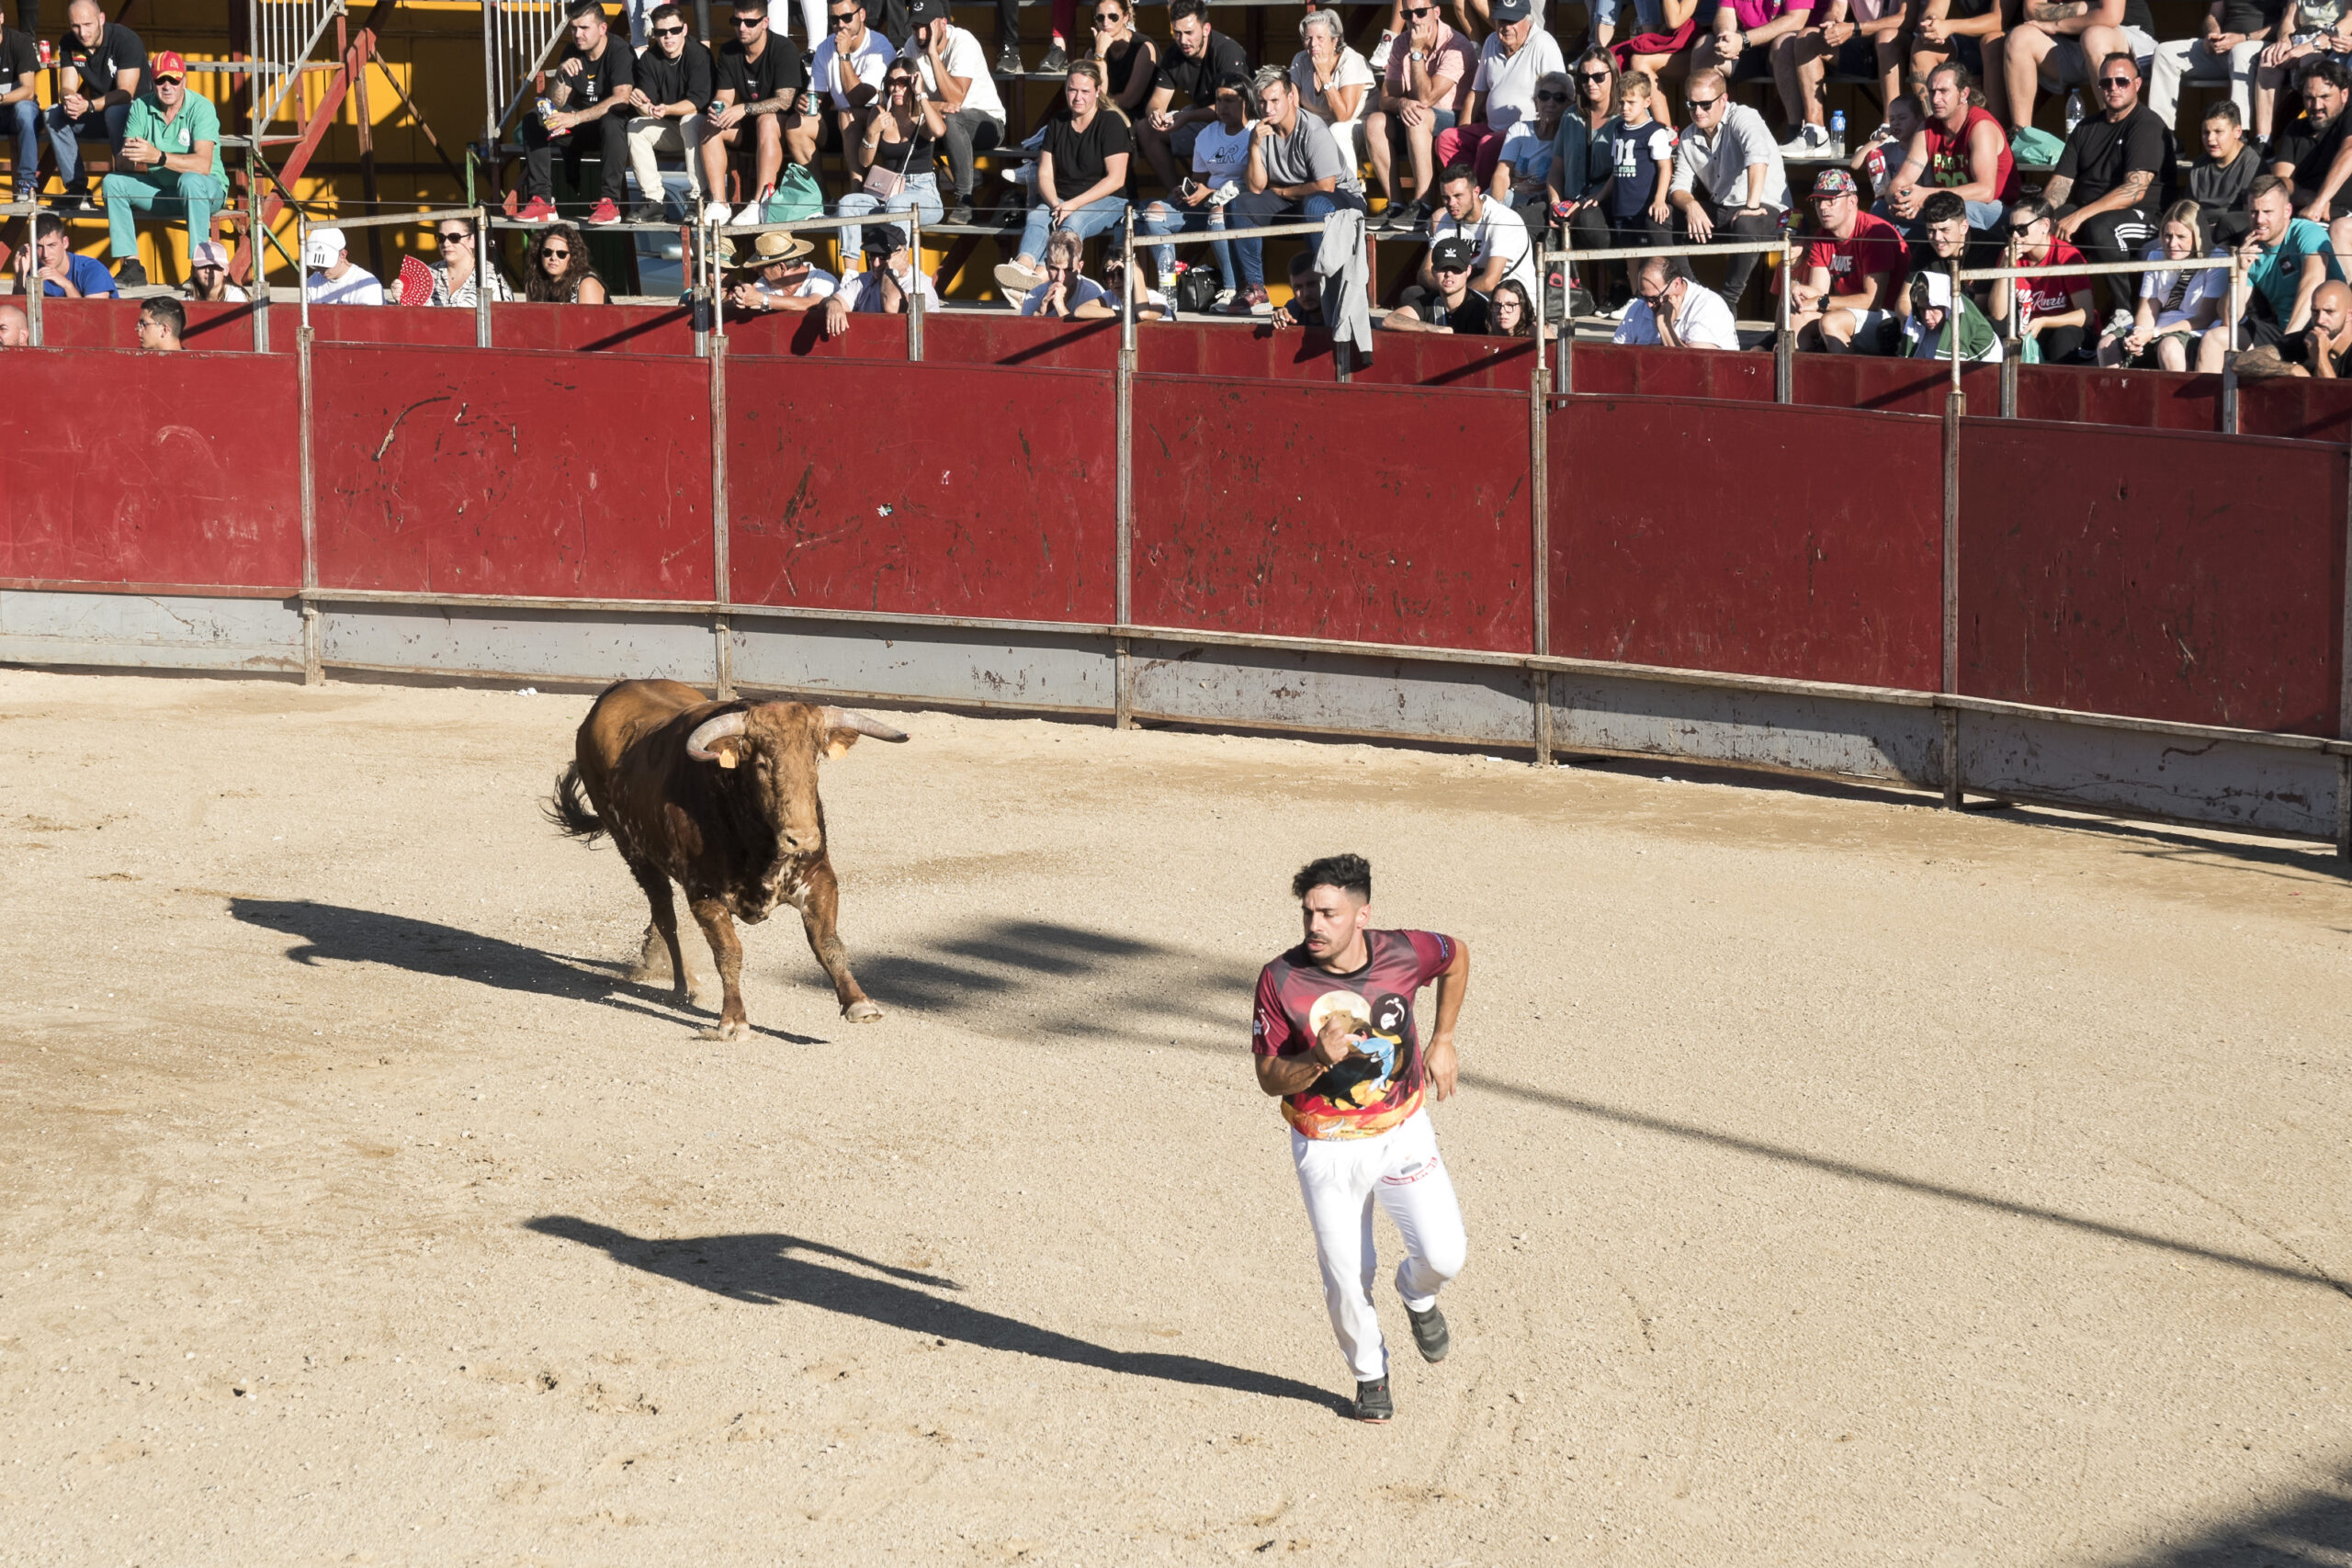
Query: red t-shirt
[[1877, 247], [2054, 294], [1362, 1095], [1948, 164]]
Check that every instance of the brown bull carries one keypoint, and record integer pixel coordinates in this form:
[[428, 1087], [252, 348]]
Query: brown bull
[[722, 797]]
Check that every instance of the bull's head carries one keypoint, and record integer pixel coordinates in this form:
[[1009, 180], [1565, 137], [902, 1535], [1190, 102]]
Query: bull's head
[[777, 747]]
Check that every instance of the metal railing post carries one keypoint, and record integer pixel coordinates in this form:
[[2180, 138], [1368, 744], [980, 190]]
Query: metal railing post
[[2230, 350], [2009, 357], [1539, 471], [721, 626], [1952, 318], [1133, 274], [1955, 407], [1123, 700], [313, 669], [302, 275], [1563, 370], [1784, 348], [914, 298], [36, 287], [483, 263]]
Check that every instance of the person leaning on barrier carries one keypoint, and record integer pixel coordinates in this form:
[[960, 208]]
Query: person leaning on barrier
[[2175, 308], [883, 289], [171, 142], [674, 83], [590, 88], [460, 274], [208, 275], [781, 278], [1200, 59], [1844, 302], [2114, 177], [52, 258], [1517, 55], [1305, 307], [1510, 312], [1082, 169], [1296, 172], [1943, 239], [334, 279], [2321, 350], [1729, 180], [1422, 93], [162, 322], [557, 271], [1443, 301], [1067, 290], [2218, 181], [1671, 309], [2284, 259], [761, 100], [15, 332], [1961, 149], [102, 67], [955, 76], [2314, 153], [2056, 316], [2227, 49], [1220, 162], [20, 73], [1931, 324]]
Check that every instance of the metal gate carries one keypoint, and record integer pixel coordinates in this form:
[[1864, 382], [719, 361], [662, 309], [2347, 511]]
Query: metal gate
[[517, 37], [284, 33]]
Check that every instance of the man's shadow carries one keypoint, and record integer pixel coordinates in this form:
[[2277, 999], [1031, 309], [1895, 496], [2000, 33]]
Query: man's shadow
[[338, 933], [770, 1268]]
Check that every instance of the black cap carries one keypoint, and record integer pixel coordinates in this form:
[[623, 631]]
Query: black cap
[[883, 240], [1510, 11], [921, 11], [1452, 253]]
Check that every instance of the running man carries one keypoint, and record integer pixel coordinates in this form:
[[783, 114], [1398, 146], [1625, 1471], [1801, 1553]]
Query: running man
[[1334, 1037]]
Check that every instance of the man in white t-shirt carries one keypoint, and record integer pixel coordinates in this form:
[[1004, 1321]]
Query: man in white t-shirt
[[782, 280], [1497, 235], [956, 72], [1517, 54], [335, 279], [848, 69], [889, 281], [1673, 311], [1220, 160]]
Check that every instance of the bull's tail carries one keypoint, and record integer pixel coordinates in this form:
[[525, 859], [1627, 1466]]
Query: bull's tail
[[568, 808]]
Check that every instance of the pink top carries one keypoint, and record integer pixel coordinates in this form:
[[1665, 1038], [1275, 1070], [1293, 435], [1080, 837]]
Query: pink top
[[1450, 61]]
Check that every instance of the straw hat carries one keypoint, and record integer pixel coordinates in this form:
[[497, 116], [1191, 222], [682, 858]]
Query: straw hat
[[776, 247]]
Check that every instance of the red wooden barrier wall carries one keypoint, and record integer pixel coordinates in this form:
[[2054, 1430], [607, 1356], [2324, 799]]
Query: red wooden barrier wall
[[927, 490], [564, 476], [155, 470], [1363, 514], [1733, 538], [2181, 577]]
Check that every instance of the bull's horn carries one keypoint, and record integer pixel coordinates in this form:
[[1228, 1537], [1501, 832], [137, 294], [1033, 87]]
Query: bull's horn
[[864, 723], [715, 728]]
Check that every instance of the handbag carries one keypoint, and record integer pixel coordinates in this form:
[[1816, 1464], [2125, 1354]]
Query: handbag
[[881, 184]]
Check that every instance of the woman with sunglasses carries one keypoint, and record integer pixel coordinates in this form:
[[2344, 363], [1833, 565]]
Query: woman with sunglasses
[[902, 149], [1663, 35], [1129, 60], [1584, 157], [556, 270], [458, 276], [1334, 82]]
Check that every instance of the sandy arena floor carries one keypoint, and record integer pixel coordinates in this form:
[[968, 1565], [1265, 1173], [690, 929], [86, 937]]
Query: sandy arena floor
[[1847, 1183]]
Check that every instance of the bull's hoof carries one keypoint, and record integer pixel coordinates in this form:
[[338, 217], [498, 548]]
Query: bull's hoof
[[862, 1011], [725, 1032]]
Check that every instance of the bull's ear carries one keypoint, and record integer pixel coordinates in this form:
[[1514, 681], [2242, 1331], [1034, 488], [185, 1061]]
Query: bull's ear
[[844, 725], [728, 752], [839, 740]]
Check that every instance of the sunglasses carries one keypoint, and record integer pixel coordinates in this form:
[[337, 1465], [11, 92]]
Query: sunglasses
[[669, 32], [842, 19], [2117, 81], [167, 81], [556, 254], [1593, 75], [458, 237], [1424, 11], [1697, 105], [751, 24], [1551, 97]]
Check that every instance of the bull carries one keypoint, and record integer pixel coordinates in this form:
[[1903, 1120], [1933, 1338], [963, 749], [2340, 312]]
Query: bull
[[721, 798]]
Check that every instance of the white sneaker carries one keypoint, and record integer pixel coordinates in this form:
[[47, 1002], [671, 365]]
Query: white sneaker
[[1223, 297], [1379, 60], [1810, 142], [717, 215], [1014, 281]]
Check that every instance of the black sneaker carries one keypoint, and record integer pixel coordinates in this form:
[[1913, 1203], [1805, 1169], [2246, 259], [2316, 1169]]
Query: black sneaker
[[648, 212], [131, 274], [1008, 60], [1429, 1333], [1055, 62], [73, 201], [1414, 214], [1372, 1401]]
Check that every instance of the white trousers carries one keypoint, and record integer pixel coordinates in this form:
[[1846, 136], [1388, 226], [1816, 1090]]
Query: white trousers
[[1340, 1180], [652, 134]]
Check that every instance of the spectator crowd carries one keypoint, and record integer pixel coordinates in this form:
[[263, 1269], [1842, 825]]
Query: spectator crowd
[[1469, 128]]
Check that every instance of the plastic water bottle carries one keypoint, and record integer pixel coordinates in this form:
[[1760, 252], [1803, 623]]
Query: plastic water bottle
[[1837, 134], [2073, 110]]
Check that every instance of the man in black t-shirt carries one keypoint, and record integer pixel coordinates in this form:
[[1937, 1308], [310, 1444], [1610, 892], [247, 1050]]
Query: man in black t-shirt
[[102, 68], [590, 87], [2114, 177], [762, 89], [1202, 58], [21, 107], [1452, 306], [2312, 153], [667, 108]]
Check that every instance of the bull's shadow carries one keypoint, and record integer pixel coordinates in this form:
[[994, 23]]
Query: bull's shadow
[[338, 933], [768, 1269]]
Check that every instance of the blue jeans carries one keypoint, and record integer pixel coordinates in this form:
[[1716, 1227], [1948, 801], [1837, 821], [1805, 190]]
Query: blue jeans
[[920, 194], [1174, 217], [1257, 209], [66, 135], [1094, 217], [24, 120]]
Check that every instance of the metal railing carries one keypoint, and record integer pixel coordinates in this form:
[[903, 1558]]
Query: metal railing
[[1784, 348], [518, 37], [708, 266], [284, 32]]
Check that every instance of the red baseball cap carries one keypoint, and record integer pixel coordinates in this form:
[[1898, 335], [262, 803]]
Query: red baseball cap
[[168, 64]]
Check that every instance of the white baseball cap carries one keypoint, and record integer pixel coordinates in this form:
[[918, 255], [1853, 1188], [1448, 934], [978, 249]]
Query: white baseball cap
[[323, 247]]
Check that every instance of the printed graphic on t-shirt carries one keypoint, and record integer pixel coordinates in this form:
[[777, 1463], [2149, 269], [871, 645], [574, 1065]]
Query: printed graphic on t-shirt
[[1378, 1087]]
